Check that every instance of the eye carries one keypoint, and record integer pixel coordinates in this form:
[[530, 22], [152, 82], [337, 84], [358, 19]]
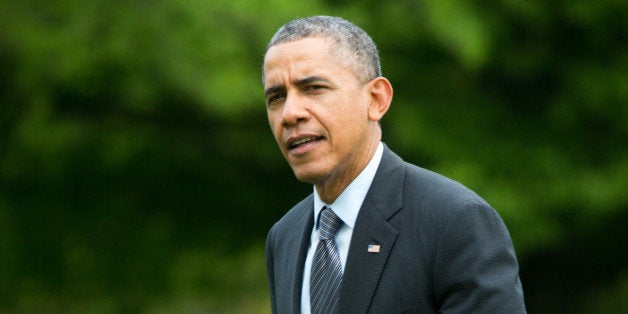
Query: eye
[[275, 97], [314, 87]]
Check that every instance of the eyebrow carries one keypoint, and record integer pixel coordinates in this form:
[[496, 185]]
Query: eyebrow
[[274, 90], [299, 83], [309, 80]]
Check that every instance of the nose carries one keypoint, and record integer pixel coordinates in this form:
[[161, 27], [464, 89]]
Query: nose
[[295, 110]]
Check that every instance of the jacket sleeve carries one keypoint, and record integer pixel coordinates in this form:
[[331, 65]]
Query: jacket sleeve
[[475, 269]]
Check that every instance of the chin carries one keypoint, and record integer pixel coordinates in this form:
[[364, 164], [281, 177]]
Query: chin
[[307, 175], [306, 178]]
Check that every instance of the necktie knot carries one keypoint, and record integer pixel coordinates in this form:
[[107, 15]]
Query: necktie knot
[[328, 223]]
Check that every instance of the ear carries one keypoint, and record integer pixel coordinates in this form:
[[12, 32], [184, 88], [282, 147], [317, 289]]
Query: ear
[[381, 97]]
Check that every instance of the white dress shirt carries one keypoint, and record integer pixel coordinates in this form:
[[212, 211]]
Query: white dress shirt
[[346, 207]]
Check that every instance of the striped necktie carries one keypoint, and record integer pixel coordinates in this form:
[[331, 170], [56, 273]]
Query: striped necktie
[[326, 273]]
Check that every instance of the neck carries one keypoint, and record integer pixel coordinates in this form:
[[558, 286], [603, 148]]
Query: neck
[[330, 188]]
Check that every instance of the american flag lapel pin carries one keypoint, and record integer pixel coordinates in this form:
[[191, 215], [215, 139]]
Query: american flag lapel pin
[[373, 248]]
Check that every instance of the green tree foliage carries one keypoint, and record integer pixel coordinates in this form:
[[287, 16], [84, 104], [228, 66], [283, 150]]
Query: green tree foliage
[[138, 173]]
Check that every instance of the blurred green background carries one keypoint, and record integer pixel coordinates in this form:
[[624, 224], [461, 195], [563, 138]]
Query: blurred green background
[[138, 173]]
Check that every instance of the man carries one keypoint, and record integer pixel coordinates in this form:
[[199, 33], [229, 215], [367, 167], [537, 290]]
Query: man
[[378, 235]]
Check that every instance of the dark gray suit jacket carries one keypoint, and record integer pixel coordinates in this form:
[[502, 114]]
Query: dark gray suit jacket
[[442, 249]]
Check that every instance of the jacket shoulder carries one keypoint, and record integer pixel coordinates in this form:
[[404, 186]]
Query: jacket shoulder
[[290, 219], [432, 187]]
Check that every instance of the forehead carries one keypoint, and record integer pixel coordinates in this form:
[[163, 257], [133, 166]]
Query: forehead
[[303, 57]]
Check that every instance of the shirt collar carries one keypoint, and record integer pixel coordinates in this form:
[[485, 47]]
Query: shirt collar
[[348, 204]]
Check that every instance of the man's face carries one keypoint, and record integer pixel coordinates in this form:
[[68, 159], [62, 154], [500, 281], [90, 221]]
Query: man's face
[[317, 110]]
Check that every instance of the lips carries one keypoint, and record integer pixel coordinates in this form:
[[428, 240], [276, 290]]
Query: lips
[[300, 141]]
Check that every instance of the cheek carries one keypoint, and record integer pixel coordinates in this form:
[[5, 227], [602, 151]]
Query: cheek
[[350, 113], [352, 121], [275, 124]]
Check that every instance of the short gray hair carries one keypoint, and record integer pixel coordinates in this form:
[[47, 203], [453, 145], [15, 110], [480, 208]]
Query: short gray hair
[[356, 47]]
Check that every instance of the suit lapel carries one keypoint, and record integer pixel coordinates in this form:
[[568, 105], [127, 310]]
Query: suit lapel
[[300, 246], [364, 268]]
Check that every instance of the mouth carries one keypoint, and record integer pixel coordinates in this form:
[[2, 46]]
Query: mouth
[[302, 141]]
